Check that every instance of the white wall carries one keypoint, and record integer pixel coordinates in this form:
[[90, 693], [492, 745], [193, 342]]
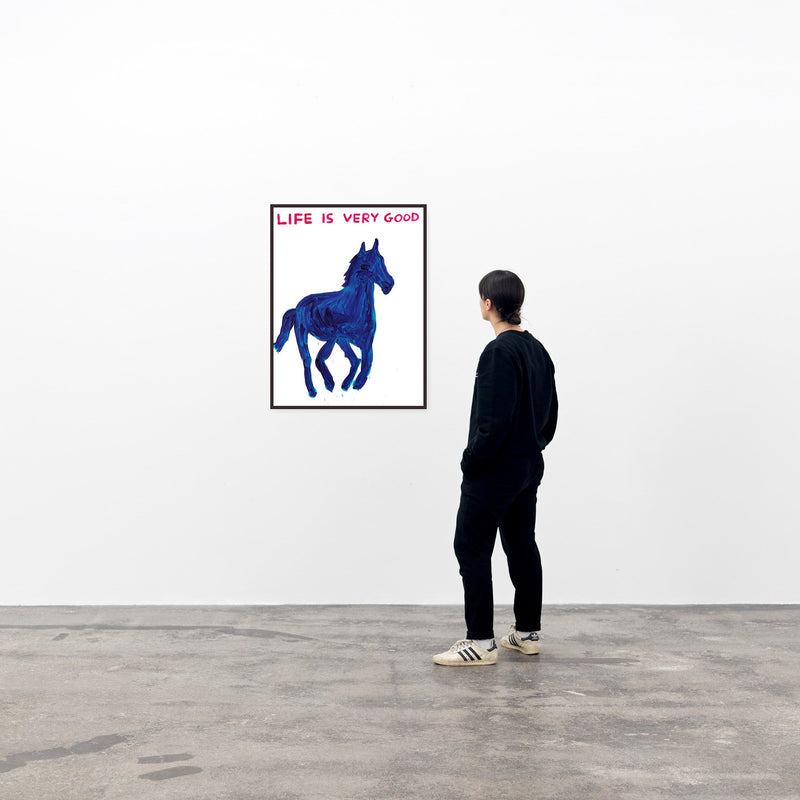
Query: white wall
[[636, 163]]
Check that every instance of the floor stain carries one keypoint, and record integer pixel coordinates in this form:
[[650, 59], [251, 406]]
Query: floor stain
[[229, 630], [96, 745], [166, 759], [172, 772]]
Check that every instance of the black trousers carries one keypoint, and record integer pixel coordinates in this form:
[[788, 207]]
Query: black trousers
[[504, 499]]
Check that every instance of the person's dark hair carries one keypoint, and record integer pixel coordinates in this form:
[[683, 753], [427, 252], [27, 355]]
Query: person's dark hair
[[506, 292]]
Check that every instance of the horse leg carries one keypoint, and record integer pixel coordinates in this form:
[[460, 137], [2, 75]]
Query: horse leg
[[322, 356], [352, 358], [366, 365], [301, 334]]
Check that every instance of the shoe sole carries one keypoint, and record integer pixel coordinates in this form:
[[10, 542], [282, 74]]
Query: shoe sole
[[464, 663], [519, 649]]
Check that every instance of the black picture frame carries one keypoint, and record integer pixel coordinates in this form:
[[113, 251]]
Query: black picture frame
[[384, 212]]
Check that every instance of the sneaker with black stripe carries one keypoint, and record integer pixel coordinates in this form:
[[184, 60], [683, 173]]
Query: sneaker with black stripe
[[467, 653], [528, 645]]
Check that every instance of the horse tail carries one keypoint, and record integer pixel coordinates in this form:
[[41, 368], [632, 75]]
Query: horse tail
[[286, 327]]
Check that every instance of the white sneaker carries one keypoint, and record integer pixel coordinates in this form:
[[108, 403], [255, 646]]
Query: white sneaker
[[529, 645], [466, 653]]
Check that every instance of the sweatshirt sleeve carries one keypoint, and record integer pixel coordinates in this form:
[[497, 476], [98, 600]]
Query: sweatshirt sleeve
[[549, 430], [493, 408]]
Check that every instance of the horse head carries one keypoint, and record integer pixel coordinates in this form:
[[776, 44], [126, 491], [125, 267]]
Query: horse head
[[369, 265]]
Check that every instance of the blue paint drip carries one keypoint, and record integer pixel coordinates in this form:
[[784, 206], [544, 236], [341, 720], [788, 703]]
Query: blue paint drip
[[342, 318]]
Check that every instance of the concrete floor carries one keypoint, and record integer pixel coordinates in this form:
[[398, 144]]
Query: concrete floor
[[288, 703]]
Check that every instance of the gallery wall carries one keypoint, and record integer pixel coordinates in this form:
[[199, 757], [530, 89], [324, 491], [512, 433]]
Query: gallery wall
[[635, 163]]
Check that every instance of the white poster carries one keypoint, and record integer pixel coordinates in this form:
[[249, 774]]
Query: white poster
[[348, 305]]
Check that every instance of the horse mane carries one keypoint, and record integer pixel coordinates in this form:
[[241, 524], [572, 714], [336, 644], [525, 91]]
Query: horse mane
[[351, 269]]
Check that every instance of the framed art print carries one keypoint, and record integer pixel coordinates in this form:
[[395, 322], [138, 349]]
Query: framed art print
[[348, 306]]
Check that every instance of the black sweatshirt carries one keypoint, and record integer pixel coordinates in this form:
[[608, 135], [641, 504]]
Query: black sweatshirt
[[514, 404]]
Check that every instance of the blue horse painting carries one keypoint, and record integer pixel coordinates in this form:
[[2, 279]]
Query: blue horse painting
[[346, 318]]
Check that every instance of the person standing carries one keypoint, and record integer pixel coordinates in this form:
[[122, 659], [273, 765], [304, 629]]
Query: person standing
[[513, 418]]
